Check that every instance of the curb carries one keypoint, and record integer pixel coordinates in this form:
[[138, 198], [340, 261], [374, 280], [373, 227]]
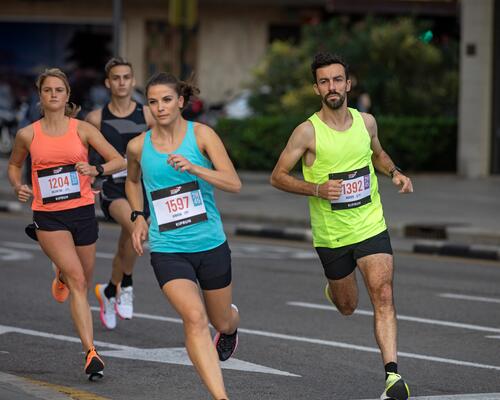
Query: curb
[[435, 247], [10, 206], [457, 250], [256, 230]]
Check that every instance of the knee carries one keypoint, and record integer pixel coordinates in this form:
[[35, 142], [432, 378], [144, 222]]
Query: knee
[[77, 284], [223, 326], [383, 296], [195, 321], [347, 307]]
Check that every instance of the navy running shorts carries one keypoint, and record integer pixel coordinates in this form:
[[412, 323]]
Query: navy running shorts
[[111, 191], [80, 222], [211, 268], [341, 261]]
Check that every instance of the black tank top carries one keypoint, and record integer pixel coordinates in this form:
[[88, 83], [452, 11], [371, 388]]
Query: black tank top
[[120, 130]]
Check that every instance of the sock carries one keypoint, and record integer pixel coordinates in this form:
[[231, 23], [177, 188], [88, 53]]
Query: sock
[[390, 367], [127, 280], [110, 290]]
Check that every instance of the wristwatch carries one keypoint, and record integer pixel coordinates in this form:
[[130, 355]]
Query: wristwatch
[[100, 169], [393, 170], [135, 214]]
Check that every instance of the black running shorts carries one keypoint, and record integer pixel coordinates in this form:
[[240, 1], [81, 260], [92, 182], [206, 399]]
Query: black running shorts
[[111, 191], [341, 261], [211, 268], [80, 222]]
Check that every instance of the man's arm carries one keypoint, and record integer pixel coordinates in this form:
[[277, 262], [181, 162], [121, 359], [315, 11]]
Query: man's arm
[[381, 160], [301, 141]]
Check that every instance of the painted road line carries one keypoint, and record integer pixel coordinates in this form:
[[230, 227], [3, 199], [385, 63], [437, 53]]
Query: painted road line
[[44, 390], [328, 343], [401, 317], [478, 396], [176, 355], [31, 246], [468, 297]]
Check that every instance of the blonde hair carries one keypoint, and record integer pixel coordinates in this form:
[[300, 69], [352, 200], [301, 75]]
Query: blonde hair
[[71, 109]]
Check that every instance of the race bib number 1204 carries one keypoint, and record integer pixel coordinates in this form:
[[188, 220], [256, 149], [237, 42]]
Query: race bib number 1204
[[59, 184]]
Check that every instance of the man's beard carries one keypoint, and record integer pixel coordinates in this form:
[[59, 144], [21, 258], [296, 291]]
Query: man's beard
[[334, 104]]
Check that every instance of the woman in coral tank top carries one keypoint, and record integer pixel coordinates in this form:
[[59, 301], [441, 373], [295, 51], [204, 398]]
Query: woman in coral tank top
[[63, 202]]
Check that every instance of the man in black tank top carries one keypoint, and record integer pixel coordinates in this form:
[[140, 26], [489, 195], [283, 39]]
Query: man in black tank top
[[120, 120]]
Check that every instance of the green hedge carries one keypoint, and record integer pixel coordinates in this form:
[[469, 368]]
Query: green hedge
[[414, 143]]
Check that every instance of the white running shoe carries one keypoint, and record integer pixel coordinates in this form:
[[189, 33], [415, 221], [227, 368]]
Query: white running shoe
[[108, 313], [125, 303]]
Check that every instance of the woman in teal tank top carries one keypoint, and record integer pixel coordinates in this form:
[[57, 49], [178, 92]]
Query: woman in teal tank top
[[181, 162]]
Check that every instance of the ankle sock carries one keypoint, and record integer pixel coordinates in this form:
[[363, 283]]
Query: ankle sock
[[127, 280], [110, 290]]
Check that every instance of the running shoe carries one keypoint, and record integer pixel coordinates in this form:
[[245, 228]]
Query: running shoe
[[328, 293], [125, 302], [395, 388], [94, 366], [60, 291], [108, 313], [226, 344]]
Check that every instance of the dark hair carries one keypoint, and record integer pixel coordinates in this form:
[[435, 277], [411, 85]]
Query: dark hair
[[71, 109], [115, 62], [184, 89], [324, 59]]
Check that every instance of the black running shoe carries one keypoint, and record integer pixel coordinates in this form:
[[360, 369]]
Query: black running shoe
[[226, 344]]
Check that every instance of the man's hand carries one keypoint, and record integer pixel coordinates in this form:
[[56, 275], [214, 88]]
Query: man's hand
[[330, 190], [403, 181]]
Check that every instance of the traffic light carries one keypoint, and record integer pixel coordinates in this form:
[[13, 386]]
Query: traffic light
[[426, 36]]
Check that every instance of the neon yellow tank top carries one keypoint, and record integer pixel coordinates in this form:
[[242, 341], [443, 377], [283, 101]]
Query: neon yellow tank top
[[358, 214]]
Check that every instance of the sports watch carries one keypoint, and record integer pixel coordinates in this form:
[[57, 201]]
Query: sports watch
[[393, 170], [100, 169], [135, 214]]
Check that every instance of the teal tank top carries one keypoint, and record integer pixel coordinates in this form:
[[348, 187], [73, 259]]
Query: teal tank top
[[184, 216]]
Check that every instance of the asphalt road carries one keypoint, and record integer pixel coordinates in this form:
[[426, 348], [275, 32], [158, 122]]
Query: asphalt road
[[293, 345]]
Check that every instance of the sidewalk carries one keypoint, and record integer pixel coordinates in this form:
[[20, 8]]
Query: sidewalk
[[454, 216]]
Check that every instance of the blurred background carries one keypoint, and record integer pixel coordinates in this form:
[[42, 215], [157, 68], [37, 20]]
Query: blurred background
[[428, 70]]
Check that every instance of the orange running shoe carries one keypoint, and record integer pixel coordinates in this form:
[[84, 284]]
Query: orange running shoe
[[60, 291], [94, 366]]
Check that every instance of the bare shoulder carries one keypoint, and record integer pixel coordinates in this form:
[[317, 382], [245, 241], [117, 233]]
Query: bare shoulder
[[370, 122], [95, 117], [303, 135], [135, 145], [25, 134], [202, 130], [85, 127]]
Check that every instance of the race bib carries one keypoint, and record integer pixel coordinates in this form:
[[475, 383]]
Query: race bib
[[355, 189], [120, 175], [59, 184], [178, 206]]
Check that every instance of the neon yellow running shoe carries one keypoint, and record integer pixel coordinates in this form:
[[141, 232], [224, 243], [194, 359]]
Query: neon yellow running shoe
[[328, 293], [395, 388]]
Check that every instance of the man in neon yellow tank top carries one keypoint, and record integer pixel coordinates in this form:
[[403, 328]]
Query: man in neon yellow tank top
[[340, 150]]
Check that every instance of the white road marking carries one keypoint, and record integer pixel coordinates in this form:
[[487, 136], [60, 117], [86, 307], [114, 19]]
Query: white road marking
[[402, 317], [478, 396], [173, 355], [32, 246], [468, 297], [329, 343], [7, 254]]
